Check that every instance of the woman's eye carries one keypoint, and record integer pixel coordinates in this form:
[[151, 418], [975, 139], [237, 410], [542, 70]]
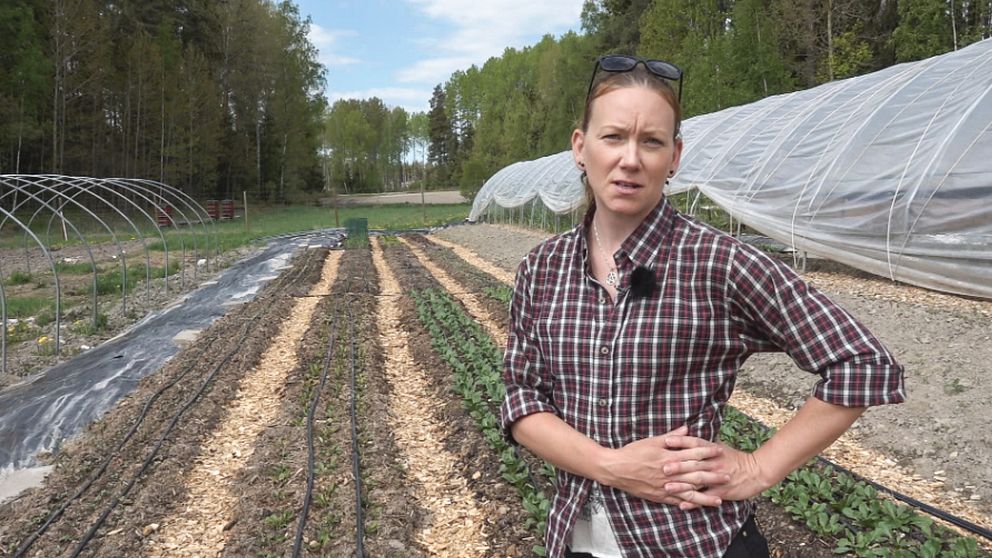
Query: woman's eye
[[654, 141], [612, 136]]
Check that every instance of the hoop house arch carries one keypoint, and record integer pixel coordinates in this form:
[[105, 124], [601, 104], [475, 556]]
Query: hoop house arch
[[58, 288], [176, 201], [89, 186], [886, 172], [197, 210], [149, 197], [168, 202], [59, 195]]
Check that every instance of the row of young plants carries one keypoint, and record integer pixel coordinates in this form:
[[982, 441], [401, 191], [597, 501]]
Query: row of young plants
[[850, 511], [476, 362], [831, 503]]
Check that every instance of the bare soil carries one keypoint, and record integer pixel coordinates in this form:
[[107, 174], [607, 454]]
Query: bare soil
[[270, 486], [25, 355], [401, 515]]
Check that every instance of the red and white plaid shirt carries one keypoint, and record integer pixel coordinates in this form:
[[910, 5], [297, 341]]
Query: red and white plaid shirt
[[644, 366]]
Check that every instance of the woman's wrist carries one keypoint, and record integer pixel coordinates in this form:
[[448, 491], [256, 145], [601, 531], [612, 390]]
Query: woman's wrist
[[601, 459]]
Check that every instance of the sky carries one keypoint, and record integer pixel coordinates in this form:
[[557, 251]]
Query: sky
[[398, 50]]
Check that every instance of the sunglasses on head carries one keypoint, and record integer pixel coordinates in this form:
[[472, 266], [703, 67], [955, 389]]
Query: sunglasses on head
[[626, 63]]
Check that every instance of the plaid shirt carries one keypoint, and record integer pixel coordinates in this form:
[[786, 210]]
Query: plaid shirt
[[644, 366]]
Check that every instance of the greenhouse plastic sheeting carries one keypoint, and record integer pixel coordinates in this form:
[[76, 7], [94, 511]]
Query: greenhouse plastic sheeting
[[889, 172], [553, 179]]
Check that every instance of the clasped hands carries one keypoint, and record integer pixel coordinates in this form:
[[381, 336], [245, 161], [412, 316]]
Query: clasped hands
[[684, 471]]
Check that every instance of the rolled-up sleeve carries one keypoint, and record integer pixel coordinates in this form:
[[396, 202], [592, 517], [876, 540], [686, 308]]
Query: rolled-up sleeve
[[779, 310], [529, 387]]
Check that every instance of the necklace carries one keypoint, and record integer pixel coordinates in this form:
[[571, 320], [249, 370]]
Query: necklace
[[612, 277]]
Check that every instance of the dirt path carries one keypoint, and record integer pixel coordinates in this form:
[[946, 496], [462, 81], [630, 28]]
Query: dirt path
[[199, 526], [469, 300], [454, 527]]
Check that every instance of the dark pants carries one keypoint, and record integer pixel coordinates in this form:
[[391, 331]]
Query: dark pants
[[749, 543]]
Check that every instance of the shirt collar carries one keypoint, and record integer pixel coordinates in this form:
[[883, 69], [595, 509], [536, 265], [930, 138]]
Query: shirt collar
[[644, 245]]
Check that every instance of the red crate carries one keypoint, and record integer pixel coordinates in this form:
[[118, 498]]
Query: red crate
[[164, 216], [227, 209], [213, 209]]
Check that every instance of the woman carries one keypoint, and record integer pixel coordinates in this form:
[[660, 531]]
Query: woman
[[626, 337]]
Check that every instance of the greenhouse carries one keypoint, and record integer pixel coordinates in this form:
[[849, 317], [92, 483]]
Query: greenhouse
[[889, 172]]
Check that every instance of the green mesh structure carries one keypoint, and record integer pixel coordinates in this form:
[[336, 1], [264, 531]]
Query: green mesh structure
[[357, 228]]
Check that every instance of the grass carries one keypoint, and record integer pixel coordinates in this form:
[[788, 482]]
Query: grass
[[26, 306], [19, 278], [74, 268], [266, 221]]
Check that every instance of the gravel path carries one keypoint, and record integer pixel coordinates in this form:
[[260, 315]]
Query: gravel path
[[945, 343]]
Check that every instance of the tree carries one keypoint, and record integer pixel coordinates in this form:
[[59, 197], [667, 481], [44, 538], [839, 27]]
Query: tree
[[24, 82], [924, 30], [614, 23], [440, 137]]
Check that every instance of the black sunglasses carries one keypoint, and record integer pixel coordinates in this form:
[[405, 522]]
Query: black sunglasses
[[626, 63]]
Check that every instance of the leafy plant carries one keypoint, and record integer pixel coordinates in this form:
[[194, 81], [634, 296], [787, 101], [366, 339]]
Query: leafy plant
[[19, 278]]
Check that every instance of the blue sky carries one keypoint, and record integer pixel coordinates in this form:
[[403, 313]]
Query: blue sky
[[398, 50]]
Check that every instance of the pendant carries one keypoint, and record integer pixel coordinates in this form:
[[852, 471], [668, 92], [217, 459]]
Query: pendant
[[612, 278]]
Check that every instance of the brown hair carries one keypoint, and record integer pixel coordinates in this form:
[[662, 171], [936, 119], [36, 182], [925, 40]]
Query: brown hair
[[639, 76]]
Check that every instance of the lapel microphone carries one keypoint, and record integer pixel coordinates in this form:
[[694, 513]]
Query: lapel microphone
[[642, 282]]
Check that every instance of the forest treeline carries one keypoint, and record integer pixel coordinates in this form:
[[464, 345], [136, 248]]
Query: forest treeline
[[219, 96], [212, 96], [524, 104]]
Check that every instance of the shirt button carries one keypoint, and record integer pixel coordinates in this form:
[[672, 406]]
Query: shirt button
[[603, 402], [602, 300], [604, 350]]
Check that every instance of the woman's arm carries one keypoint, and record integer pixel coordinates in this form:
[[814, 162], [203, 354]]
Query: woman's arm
[[637, 468], [817, 425]]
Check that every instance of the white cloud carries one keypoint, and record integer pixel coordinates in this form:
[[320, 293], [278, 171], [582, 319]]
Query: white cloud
[[484, 29], [324, 40], [411, 99]]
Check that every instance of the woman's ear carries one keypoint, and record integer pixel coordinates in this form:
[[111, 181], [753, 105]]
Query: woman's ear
[[578, 141], [677, 155]]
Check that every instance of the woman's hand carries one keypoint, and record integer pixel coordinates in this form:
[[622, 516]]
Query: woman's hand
[[744, 473], [646, 468]]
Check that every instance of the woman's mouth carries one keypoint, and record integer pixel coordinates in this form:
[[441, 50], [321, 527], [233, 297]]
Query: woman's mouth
[[625, 186]]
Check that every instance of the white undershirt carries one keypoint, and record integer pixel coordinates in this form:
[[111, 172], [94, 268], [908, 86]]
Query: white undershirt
[[592, 532]]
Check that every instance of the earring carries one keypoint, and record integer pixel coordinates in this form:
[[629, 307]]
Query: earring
[[581, 165], [671, 173]]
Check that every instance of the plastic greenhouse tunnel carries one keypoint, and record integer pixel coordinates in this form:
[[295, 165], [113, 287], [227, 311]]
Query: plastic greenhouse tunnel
[[889, 172]]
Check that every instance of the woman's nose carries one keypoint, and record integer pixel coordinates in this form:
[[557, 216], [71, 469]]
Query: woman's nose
[[631, 156]]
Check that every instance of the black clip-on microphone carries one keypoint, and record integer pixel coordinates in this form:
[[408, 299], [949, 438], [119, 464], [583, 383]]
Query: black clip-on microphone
[[642, 282]]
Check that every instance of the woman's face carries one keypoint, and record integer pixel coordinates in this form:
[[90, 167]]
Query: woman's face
[[628, 150]]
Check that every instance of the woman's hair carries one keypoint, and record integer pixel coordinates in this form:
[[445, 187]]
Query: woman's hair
[[639, 76]]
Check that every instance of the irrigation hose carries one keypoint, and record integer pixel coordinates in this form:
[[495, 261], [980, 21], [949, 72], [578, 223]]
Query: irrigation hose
[[922, 506], [311, 465], [54, 516], [158, 446], [356, 468], [356, 464], [936, 512]]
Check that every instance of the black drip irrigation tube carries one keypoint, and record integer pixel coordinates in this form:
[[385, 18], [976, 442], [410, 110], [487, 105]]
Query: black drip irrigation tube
[[54, 516], [355, 458], [356, 468], [158, 446], [922, 506], [311, 462]]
